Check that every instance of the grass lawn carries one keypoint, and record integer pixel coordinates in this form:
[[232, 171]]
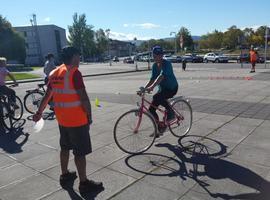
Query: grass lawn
[[22, 76]]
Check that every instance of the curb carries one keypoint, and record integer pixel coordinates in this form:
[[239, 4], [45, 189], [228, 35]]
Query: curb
[[88, 75]]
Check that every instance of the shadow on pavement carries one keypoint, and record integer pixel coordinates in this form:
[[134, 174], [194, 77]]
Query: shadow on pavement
[[75, 196], [13, 140], [205, 165]]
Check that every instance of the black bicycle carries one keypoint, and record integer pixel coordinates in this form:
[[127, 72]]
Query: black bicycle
[[33, 98], [10, 112]]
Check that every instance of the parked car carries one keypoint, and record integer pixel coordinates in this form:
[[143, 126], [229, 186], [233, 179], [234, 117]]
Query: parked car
[[246, 58], [171, 58], [115, 59], [191, 57], [215, 57], [187, 58], [128, 60]]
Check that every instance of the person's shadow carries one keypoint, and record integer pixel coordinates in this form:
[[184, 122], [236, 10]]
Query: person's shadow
[[217, 168], [8, 139], [84, 196]]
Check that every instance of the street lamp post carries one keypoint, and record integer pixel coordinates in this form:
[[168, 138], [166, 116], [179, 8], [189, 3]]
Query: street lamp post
[[135, 56], [174, 41], [149, 54]]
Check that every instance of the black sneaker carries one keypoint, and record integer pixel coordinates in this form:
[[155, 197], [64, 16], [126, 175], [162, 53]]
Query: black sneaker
[[90, 186], [67, 178], [170, 117]]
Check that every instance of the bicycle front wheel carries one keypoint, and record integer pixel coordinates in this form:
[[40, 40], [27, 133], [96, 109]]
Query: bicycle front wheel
[[6, 116], [32, 101], [183, 112], [17, 112], [133, 133]]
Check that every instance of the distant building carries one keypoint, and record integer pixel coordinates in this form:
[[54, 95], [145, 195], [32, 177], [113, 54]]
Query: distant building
[[121, 48], [41, 40]]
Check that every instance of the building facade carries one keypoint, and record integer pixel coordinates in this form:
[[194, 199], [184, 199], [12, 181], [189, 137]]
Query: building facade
[[41, 40]]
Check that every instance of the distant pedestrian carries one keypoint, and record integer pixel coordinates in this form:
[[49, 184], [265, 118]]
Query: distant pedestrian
[[184, 64], [49, 66], [73, 113], [253, 58]]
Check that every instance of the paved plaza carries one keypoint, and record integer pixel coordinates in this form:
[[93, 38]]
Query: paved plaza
[[230, 140]]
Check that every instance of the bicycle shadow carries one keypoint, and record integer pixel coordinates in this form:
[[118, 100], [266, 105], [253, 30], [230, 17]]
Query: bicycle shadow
[[45, 116], [213, 168], [13, 140]]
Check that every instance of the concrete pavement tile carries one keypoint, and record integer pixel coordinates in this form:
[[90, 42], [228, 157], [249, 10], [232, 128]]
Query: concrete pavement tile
[[246, 122], [106, 155], [44, 161], [30, 151], [31, 188], [63, 195], [6, 161], [55, 172], [142, 190], [14, 173], [218, 118], [113, 182], [249, 153], [172, 176]]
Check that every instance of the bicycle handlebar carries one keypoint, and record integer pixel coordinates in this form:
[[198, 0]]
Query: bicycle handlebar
[[142, 91]]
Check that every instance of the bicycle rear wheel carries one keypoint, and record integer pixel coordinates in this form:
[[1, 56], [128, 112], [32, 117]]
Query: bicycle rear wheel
[[17, 112], [183, 113], [32, 101], [128, 139], [6, 116]]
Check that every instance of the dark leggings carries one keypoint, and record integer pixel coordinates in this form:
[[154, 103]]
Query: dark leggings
[[9, 92], [160, 98]]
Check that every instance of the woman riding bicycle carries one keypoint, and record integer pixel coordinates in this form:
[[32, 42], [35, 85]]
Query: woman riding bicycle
[[10, 93], [164, 78]]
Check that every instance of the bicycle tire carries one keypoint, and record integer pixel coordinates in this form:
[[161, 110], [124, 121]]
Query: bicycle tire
[[18, 113], [32, 105], [184, 113], [125, 140], [6, 116]]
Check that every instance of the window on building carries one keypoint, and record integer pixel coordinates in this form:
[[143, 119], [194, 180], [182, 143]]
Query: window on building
[[25, 34]]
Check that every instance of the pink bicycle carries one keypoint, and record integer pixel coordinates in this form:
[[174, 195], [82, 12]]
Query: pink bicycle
[[135, 131]]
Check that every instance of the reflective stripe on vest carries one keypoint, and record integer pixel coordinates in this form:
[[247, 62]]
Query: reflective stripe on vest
[[64, 91], [67, 104]]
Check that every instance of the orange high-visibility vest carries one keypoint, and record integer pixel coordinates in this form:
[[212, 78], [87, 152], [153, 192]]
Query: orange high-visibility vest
[[67, 105], [253, 56]]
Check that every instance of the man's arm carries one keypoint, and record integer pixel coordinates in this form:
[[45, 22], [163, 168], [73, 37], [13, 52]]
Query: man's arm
[[12, 78], [156, 82], [43, 104], [85, 103]]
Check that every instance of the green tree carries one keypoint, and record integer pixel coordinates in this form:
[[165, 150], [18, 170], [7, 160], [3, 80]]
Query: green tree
[[231, 37], [101, 42], [187, 39], [12, 44], [81, 35]]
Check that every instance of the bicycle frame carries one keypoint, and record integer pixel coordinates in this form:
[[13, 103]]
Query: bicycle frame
[[143, 108]]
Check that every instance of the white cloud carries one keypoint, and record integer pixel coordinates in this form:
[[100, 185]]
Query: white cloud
[[143, 25], [126, 36], [47, 19]]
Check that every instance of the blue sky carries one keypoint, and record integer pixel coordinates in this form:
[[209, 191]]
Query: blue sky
[[143, 19]]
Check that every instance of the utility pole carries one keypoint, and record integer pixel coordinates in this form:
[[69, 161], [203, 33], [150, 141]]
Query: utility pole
[[38, 45]]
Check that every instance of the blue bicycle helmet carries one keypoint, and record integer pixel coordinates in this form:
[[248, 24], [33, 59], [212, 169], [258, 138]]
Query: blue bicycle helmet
[[157, 50]]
